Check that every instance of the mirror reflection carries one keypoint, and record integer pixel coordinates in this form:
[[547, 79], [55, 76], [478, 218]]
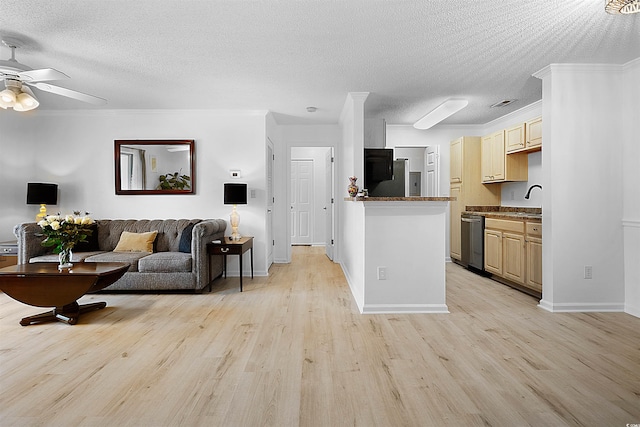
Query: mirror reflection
[[154, 167]]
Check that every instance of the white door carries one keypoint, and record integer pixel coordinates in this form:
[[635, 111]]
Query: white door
[[301, 201], [329, 204], [432, 162], [270, 202]]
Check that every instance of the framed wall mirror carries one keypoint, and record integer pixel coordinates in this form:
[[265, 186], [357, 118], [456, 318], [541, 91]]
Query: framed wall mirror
[[155, 166]]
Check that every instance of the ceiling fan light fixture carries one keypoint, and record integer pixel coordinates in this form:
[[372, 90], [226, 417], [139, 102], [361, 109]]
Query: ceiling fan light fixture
[[624, 7], [441, 112], [26, 101], [7, 98]]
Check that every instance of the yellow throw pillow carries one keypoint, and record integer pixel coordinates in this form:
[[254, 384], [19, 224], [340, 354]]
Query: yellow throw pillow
[[136, 242]]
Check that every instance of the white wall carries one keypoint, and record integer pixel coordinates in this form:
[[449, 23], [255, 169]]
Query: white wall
[[631, 188], [582, 155], [351, 227], [75, 150]]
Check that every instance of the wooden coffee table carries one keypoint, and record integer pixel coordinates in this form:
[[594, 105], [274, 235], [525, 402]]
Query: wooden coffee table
[[43, 285]]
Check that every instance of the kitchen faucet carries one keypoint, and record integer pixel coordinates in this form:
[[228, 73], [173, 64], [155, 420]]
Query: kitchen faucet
[[531, 188]]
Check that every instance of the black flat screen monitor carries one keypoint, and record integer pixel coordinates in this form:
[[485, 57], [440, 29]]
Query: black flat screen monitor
[[378, 165]]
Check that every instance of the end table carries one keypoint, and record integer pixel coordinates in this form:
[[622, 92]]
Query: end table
[[228, 246]]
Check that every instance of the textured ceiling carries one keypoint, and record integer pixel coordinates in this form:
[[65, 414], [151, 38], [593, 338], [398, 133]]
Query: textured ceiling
[[285, 55]]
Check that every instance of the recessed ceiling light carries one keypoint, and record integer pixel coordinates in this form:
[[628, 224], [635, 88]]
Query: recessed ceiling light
[[311, 109], [502, 103]]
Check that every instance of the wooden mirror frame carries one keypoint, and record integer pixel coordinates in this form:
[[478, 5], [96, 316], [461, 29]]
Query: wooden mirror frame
[[119, 143]]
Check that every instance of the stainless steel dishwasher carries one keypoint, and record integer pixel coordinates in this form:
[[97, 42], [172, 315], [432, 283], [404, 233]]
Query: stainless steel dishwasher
[[472, 239]]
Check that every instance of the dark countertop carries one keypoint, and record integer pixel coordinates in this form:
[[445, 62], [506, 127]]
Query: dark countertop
[[506, 212], [400, 199]]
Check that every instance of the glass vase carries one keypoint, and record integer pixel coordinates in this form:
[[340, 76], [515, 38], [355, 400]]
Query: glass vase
[[64, 258]]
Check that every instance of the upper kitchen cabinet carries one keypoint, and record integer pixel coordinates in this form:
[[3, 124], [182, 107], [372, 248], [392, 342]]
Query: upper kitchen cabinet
[[534, 134], [497, 165], [514, 138], [525, 137], [456, 161]]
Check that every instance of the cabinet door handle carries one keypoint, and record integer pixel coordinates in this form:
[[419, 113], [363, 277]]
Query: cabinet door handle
[[225, 250]]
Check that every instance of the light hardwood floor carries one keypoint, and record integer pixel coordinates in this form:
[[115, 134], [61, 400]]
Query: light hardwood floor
[[293, 350]]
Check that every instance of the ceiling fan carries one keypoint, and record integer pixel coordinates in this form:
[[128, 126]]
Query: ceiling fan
[[18, 77]]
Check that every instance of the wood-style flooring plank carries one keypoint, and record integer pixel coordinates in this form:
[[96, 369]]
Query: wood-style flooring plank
[[294, 350]]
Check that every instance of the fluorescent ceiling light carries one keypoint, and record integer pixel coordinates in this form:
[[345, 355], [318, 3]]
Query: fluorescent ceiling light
[[441, 112]]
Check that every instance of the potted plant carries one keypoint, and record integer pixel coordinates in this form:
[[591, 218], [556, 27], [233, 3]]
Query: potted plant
[[174, 181]]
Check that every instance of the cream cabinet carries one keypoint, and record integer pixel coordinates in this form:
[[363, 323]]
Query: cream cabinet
[[525, 137], [455, 212], [513, 257], [493, 157], [497, 165], [504, 249], [493, 251], [515, 138], [533, 131], [534, 256], [456, 161], [466, 186]]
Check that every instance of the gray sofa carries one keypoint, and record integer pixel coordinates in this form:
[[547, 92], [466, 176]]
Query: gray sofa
[[179, 260]]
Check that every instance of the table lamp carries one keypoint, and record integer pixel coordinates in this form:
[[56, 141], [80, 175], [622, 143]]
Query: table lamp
[[235, 194], [42, 194]]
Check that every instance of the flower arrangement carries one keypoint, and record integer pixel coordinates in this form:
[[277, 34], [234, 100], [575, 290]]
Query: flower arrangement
[[64, 232]]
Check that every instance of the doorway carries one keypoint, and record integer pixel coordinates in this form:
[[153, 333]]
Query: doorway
[[311, 201]]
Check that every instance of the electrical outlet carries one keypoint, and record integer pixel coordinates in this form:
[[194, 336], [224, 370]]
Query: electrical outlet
[[382, 273], [588, 272]]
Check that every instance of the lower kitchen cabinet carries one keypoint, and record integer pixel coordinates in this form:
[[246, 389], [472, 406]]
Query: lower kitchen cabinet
[[511, 254], [534, 256], [513, 264], [493, 251]]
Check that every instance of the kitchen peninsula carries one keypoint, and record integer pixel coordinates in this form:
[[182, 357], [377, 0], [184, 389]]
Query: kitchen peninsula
[[401, 267]]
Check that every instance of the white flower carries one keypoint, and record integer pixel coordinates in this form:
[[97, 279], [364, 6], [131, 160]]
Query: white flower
[[55, 225], [68, 218], [43, 223], [77, 220], [86, 220]]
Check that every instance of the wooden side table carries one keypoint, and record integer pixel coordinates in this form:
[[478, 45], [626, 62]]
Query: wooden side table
[[8, 253], [227, 246]]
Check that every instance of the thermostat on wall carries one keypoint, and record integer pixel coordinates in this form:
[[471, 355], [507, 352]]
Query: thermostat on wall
[[235, 174]]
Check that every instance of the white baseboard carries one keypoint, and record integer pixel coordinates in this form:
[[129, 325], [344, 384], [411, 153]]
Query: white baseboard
[[580, 307], [349, 282], [405, 309], [634, 311]]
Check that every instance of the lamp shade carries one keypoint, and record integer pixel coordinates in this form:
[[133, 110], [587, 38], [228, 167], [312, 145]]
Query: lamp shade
[[40, 193], [235, 194]]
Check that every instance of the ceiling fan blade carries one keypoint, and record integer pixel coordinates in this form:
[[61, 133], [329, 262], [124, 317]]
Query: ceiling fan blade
[[42, 74], [69, 93]]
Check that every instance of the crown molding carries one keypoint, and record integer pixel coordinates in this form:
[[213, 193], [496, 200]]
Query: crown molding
[[143, 112]]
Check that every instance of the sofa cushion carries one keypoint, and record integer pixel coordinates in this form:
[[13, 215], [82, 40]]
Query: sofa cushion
[[76, 257], [185, 239], [165, 262], [129, 257], [136, 242]]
